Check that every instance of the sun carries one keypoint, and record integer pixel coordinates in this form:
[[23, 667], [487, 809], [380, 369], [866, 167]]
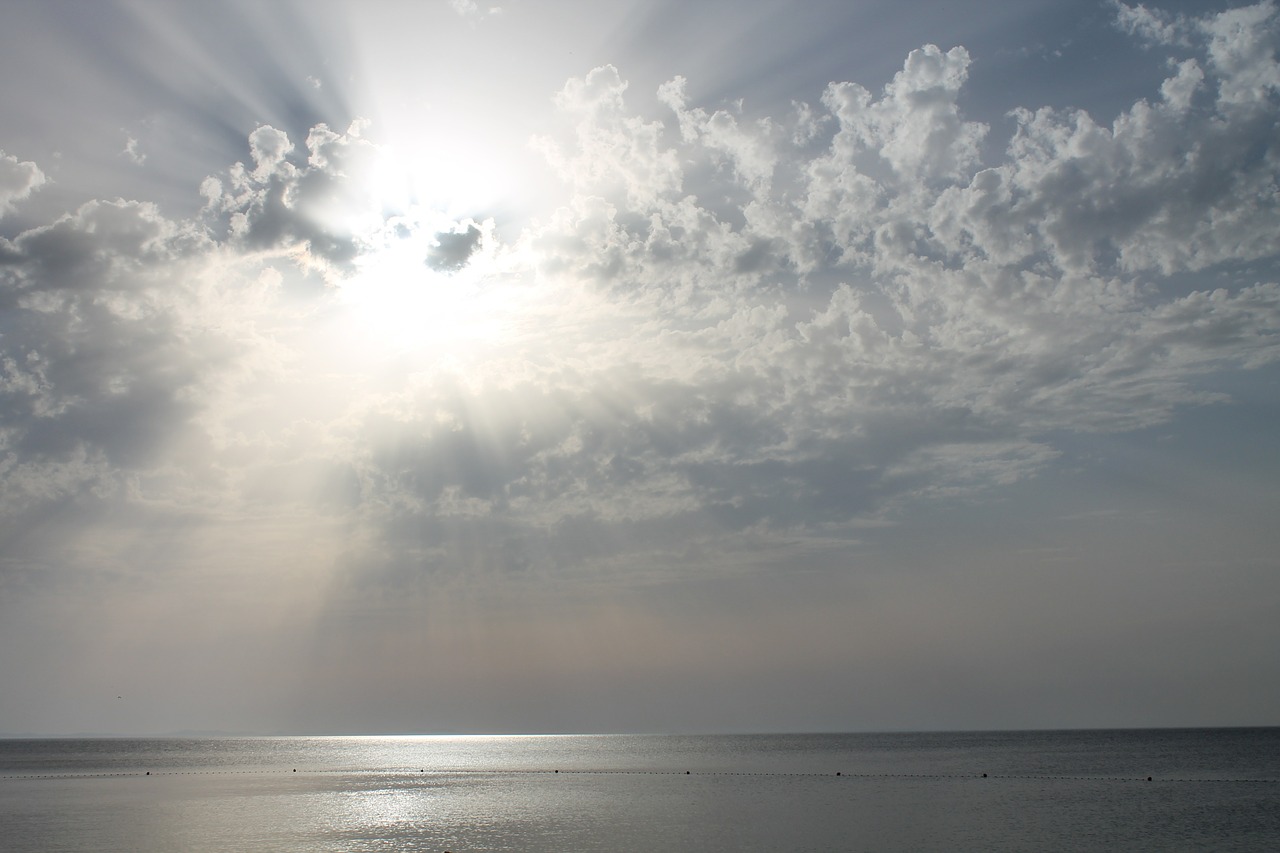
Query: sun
[[409, 294], [432, 277]]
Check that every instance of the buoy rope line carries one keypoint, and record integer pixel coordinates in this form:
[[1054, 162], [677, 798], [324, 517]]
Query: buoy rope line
[[619, 772]]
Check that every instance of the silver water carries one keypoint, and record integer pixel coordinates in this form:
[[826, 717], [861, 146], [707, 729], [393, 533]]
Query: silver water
[[1213, 789]]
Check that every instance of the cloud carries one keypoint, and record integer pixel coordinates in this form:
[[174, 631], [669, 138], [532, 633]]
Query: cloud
[[1173, 185], [471, 9], [750, 151], [1152, 25], [454, 248], [100, 247], [1013, 296], [133, 150], [915, 127], [610, 150], [317, 207], [1242, 45], [18, 179]]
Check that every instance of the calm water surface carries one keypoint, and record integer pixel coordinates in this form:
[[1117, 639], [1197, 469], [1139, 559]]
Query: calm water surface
[[1209, 790]]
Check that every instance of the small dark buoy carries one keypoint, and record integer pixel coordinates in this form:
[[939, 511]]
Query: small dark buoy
[[295, 770], [557, 771], [148, 772], [984, 775], [1148, 778], [837, 772], [686, 772]]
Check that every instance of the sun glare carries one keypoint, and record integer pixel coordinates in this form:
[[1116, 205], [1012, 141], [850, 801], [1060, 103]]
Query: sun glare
[[433, 277], [399, 300]]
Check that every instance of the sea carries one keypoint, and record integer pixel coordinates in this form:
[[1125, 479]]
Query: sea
[[1130, 790]]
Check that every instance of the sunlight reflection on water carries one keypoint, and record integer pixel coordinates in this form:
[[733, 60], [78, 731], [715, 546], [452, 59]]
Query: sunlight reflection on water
[[1045, 791]]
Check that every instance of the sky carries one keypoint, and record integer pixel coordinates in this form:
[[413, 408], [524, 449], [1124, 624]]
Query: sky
[[453, 366]]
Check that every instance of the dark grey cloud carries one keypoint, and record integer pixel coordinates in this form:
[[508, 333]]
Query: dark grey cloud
[[454, 248]]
